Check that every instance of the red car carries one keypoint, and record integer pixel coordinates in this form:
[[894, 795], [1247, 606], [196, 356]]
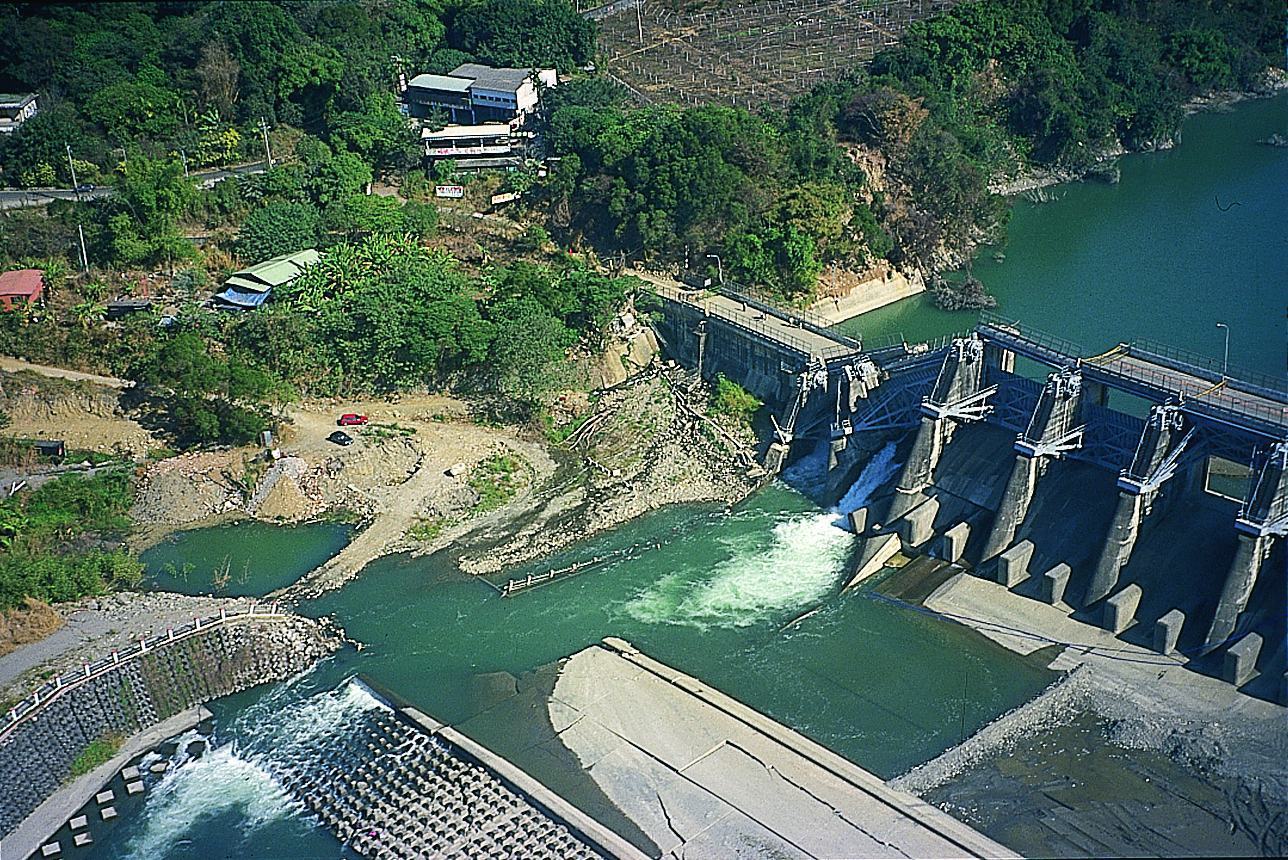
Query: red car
[[351, 419]]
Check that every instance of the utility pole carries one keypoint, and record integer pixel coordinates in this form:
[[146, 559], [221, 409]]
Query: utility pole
[[263, 127], [183, 155], [1225, 362], [72, 165], [719, 267], [84, 256], [639, 20]]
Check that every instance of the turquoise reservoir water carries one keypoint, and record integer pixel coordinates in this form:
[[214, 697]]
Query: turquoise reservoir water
[[1154, 257], [241, 559], [729, 596]]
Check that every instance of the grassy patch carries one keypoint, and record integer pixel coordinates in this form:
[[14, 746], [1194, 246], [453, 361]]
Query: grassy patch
[[427, 529], [49, 539], [388, 431], [496, 480], [97, 753], [733, 401]]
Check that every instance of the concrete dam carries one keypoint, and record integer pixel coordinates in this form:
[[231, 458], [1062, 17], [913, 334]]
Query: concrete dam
[[1144, 489]]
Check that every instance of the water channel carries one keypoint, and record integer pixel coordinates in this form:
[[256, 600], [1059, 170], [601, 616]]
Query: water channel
[[727, 595]]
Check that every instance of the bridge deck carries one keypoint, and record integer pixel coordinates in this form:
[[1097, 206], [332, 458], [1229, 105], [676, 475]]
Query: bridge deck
[[1250, 401], [784, 328]]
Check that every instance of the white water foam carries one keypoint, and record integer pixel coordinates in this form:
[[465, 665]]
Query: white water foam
[[800, 564], [273, 734], [216, 783], [876, 472]]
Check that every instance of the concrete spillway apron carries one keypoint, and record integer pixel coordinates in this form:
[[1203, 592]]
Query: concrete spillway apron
[[730, 778]]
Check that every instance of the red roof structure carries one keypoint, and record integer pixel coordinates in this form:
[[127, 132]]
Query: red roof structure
[[21, 288]]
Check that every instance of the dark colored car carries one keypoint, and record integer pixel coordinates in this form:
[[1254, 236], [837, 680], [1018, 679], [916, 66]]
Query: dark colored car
[[84, 187], [351, 419], [339, 437]]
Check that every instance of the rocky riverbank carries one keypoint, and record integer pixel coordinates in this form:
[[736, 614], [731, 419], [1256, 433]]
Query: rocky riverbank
[[1034, 179], [95, 627], [649, 443]]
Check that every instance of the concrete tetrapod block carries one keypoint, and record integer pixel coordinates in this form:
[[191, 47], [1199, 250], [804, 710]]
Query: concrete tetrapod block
[[918, 525], [134, 787], [1167, 630], [1120, 610], [108, 812], [952, 544], [78, 822], [82, 839], [104, 797], [1013, 565], [1054, 583], [1241, 660], [51, 849]]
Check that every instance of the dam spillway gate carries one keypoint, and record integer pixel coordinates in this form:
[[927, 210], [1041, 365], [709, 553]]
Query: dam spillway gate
[[1084, 480]]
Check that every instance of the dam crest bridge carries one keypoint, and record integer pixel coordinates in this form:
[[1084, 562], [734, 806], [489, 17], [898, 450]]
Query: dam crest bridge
[[1008, 425]]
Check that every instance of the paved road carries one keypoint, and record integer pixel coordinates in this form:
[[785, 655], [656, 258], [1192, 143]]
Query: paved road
[[1198, 389], [781, 329], [32, 197]]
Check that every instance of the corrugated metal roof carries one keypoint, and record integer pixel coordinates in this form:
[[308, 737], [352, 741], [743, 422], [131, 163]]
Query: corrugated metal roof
[[489, 129], [274, 272], [28, 283], [15, 100], [441, 82], [488, 78]]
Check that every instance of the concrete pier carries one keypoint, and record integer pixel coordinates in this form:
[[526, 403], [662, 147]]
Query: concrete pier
[[917, 471], [1167, 631], [1013, 565], [1241, 660], [1120, 610], [1054, 583], [706, 776], [1015, 505], [1236, 590]]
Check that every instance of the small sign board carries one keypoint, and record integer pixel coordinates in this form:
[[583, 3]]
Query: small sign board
[[449, 190], [498, 199]]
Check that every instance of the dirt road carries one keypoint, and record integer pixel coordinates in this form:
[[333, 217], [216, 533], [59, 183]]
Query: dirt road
[[14, 365], [436, 426]]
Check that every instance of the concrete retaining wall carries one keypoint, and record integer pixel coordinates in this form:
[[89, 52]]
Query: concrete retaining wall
[[36, 755]]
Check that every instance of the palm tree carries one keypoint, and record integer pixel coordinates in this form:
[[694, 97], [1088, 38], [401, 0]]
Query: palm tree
[[87, 313]]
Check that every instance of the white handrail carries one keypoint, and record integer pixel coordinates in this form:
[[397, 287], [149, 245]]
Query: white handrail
[[61, 684]]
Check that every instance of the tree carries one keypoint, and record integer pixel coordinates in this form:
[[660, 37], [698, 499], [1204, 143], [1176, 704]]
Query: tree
[[142, 107], [379, 133], [218, 75], [362, 214], [276, 229], [523, 33], [388, 314], [529, 354], [35, 154]]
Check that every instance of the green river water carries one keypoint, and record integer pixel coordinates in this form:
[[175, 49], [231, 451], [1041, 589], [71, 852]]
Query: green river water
[[729, 596]]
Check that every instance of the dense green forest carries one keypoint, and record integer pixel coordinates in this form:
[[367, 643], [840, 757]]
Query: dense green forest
[[986, 90], [989, 89]]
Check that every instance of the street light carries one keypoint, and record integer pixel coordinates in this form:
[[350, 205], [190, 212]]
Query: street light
[[1225, 362], [719, 267]]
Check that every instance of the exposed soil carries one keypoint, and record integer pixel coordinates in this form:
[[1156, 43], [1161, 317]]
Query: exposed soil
[[647, 444]]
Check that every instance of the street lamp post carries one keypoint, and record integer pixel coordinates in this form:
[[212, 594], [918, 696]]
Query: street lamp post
[[719, 267], [1225, 361]]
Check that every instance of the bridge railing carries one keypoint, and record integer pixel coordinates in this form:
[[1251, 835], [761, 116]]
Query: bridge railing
[[61, 684], [1055, 346], [1207, 367], [805, 319]]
